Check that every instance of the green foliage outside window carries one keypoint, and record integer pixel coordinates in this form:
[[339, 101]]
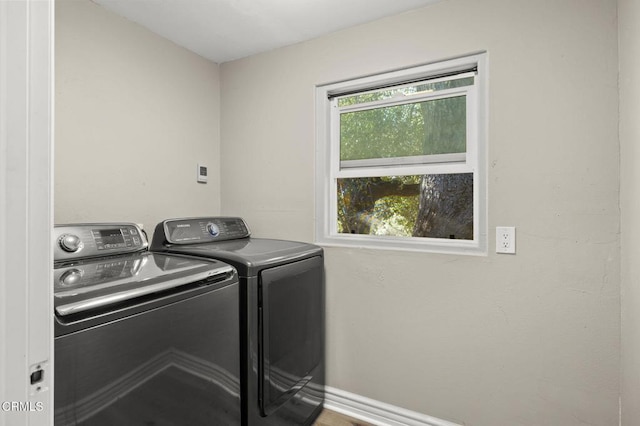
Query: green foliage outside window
[[438, 206]]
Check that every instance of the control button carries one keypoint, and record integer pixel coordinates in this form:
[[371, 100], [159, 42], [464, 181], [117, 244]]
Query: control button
[[71, 277], [70, 243], [213, 229]]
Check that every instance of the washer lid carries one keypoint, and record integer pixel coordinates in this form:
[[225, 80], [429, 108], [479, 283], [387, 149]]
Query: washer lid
[[98, 283], [248, 255]]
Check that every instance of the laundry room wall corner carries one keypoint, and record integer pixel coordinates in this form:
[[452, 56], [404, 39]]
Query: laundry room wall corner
[[135, 114]]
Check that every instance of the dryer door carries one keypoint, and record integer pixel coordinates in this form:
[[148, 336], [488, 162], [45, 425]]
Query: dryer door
[[292, 330]]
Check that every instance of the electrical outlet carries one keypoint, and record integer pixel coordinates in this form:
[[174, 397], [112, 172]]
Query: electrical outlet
[[506, 239]]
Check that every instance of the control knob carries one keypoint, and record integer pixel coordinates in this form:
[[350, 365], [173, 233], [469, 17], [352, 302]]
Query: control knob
[[71, 277], [213, 229], [70, 243]]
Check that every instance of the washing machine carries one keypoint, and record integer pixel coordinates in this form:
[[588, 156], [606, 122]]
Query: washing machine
[[281, 314], [142, 338]]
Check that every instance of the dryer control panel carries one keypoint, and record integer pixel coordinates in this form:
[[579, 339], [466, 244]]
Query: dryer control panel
[[200, 230], [96, 239]]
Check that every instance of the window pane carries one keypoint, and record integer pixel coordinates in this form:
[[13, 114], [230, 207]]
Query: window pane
[[434, 206], [421, 128], [415, 89]]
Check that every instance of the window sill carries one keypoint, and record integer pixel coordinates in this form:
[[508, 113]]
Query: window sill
[[459, 247]]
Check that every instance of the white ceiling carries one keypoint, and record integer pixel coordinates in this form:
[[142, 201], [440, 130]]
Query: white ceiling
[[224, 30]]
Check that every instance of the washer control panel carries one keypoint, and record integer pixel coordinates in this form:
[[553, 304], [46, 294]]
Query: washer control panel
[[96, 239], [201, 230]]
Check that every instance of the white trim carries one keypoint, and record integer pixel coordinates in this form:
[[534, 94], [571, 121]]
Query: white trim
[[376, 412], [406, 160], [414, 244], [328, 166], [26, 213], [399, 75], [405, 170]]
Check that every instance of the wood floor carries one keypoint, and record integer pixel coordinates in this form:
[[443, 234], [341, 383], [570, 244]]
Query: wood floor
[[331, 418]]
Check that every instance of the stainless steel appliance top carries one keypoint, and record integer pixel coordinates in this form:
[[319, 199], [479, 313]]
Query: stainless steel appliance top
[[102, 267], [228, 239]]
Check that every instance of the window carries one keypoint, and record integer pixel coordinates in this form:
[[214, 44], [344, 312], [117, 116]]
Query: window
[[401, 159]]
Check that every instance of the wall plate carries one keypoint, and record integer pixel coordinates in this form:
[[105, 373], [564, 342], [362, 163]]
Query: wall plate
[[202, 173], [506, 239]]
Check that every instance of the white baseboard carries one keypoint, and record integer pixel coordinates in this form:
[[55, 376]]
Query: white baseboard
[[376, 412]]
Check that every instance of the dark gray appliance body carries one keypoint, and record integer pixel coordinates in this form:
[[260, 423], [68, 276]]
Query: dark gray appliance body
[[142, 338], [282, 314]]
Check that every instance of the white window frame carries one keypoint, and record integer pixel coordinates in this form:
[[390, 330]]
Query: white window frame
[[329, 168]]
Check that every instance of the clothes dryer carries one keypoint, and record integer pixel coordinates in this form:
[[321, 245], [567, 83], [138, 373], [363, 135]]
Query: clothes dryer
[[281, 314]]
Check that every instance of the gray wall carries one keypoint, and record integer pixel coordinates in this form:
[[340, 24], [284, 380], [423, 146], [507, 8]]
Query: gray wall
[[134, 114], [629, 17], [530, 339]]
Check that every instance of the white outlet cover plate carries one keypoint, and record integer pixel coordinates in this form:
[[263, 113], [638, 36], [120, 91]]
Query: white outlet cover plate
[[506, 239]]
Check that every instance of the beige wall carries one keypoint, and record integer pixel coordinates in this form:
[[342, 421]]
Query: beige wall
[[530, 339], [135, 113], [629, 17]]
